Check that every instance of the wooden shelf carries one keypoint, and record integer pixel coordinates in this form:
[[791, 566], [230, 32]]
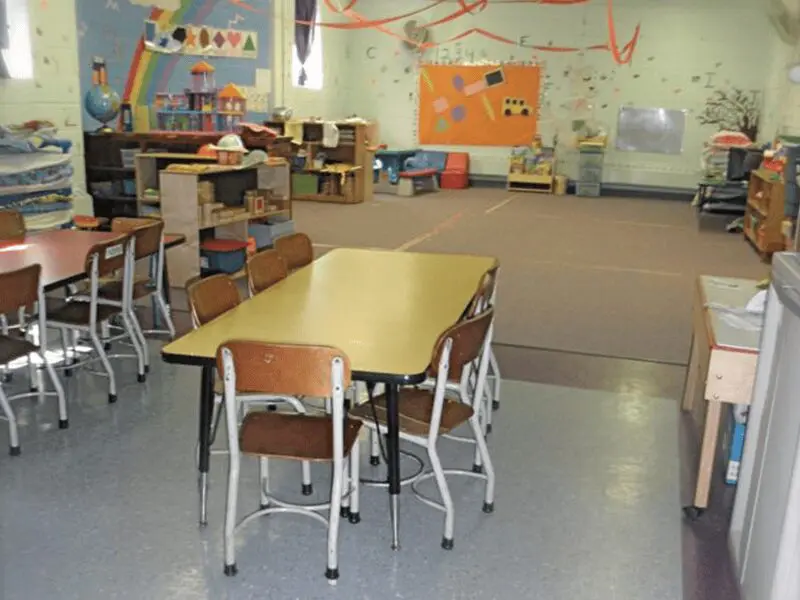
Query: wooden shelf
[[756, 207], [321, 198], [105, 169], [764, 209], [240, 218]]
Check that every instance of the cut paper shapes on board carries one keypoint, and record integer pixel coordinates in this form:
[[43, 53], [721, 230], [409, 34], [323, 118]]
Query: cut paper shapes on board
[[468, 104], [516, 107], [200, 40], [475, 88], [441, 105]]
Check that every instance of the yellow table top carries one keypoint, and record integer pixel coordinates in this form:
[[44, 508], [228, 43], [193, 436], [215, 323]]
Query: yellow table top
[[384, 309]]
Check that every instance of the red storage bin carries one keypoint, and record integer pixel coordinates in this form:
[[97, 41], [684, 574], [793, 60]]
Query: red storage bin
[[456, 172]]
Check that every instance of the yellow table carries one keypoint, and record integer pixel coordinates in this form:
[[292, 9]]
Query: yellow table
[[383, 309]]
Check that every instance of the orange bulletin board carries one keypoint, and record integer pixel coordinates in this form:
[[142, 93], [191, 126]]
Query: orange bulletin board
[[487, 105]]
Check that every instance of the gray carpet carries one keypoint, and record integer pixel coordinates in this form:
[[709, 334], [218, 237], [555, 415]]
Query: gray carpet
[[606, 276], [587, 507]]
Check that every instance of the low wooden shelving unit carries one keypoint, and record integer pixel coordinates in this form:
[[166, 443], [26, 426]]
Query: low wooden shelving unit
[[346, 176], [182, 195], [763, 215]]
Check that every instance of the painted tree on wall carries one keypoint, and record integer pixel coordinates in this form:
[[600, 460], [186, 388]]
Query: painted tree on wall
[[733, 110]]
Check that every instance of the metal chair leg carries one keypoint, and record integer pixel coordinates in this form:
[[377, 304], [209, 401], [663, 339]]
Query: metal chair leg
[[137, 330], [332, 572], [355, 459], [130, 329], [447, 500], [230, 515], [112, 383], [495, 370], [63, 419], [164, 310], [480, 442], [374, 447], [13, 435], [263, 479]]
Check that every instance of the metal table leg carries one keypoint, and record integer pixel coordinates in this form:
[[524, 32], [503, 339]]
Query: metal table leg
[[393, 451], [204, 437]]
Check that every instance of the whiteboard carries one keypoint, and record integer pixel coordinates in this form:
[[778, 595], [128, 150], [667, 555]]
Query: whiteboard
[[656, 130]]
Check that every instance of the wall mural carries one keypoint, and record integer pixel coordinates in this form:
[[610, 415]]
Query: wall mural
[[489, 105], [733, 110], [151, 46]]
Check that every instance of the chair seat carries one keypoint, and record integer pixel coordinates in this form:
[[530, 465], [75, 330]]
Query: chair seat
[[12, 347], [112, 290], [77, 313], [296, 437], [416, 411], [418, 173]]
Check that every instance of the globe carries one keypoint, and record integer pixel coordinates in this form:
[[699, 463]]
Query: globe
[[102, 103]]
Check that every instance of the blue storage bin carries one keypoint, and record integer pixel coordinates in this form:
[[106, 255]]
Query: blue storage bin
[[223, 256]]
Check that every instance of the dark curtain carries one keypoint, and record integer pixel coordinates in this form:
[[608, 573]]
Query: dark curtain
[[304, 10]]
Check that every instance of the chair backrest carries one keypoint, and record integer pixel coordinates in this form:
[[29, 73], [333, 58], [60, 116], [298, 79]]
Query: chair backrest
[[148, 233], [468, 337], [12, 225], [265, 269], [19, 288], [484, 295], [210, 297], [284, 369], [296, 249], [110, 255]]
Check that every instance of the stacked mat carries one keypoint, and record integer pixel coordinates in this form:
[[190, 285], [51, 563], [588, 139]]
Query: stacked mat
[[36, 177]]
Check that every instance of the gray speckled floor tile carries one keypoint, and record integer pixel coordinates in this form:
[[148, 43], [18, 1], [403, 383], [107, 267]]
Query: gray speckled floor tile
[[587, 507]]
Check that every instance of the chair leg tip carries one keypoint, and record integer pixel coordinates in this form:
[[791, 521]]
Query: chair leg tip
[[231, 570], [344, 512], [488, 507], [271, 408], [63, 423], [34, 389], [112, 398], [7, 378], [263, 505], [374, 461], [488, 428], [354, 518], [67, 372], [332, 574], [495, 404], [308, 489], [14, 450], [477, 468], [147, 368], [141, 377], [447, 543], [106, 347]]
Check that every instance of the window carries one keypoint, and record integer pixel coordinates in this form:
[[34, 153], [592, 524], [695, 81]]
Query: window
[[15, 40], [313, 64]]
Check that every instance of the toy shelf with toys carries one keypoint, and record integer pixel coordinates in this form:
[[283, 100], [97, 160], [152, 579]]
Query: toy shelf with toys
[[532, 168]]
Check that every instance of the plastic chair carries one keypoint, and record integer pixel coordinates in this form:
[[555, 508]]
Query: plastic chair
[[296, 249], [264, 270], [90, 315], [316, 371], [20, 290], [426, 415], [208, 299]]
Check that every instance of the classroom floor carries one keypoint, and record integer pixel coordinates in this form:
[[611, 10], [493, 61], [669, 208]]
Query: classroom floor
[[108, 508], [592, 454]]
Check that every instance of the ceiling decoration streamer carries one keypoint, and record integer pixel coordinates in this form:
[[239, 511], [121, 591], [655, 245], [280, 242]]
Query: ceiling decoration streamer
[[470, 7]]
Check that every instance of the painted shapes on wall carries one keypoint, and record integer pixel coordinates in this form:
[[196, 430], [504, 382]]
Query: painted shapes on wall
[[200, 40], [486, 105]]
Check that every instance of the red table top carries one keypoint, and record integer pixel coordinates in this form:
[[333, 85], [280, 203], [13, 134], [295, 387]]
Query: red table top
[[61, 252]]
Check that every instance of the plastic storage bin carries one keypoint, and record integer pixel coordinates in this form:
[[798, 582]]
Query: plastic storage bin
[[128, 156], [223, 256], [305, 184], [266, 234]]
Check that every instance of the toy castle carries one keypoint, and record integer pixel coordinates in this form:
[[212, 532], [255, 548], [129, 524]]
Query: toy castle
[[202, 107]]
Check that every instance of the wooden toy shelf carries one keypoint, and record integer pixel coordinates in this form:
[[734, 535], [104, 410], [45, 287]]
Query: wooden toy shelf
[[337, 183], [763, 215], [183, 195]]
